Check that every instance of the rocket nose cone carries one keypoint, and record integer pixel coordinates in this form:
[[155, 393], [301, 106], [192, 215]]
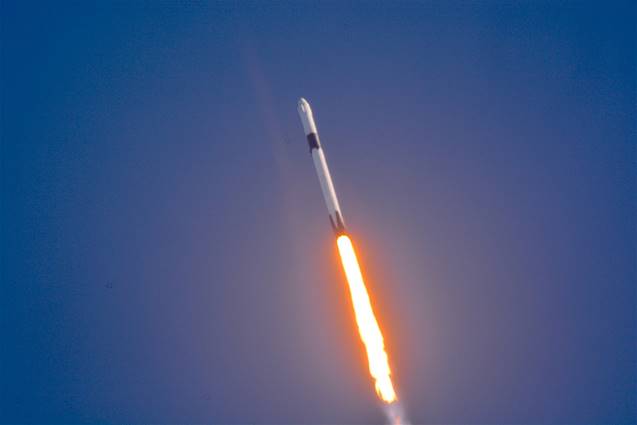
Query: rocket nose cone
[[305, 112], [304, 107]]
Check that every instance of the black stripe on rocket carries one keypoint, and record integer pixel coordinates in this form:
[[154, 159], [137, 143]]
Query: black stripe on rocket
[[339, 226], [313, 141]]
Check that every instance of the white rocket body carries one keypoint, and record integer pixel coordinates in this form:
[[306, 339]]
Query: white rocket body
[[318, 156]]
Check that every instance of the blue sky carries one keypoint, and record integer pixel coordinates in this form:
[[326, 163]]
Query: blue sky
[[167, 256]]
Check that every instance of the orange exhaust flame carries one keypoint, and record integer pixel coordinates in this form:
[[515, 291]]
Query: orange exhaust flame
[[367, 324]]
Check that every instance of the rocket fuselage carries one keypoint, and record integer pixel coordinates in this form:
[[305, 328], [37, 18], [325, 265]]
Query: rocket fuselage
[[320, 164]]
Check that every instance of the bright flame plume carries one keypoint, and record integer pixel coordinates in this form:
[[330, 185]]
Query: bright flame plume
[[367, 324]]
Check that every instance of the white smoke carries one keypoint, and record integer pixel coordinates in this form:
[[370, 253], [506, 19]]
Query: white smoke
[[395, 414]]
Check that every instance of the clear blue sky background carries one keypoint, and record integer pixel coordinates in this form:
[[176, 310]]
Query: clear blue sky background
[[167, 256]]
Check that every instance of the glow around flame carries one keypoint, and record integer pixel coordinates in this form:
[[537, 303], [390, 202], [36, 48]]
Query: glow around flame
[[367, 325]]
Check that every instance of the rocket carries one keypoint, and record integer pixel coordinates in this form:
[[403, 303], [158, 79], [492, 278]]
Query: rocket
[[320, 164], [368, 328]]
